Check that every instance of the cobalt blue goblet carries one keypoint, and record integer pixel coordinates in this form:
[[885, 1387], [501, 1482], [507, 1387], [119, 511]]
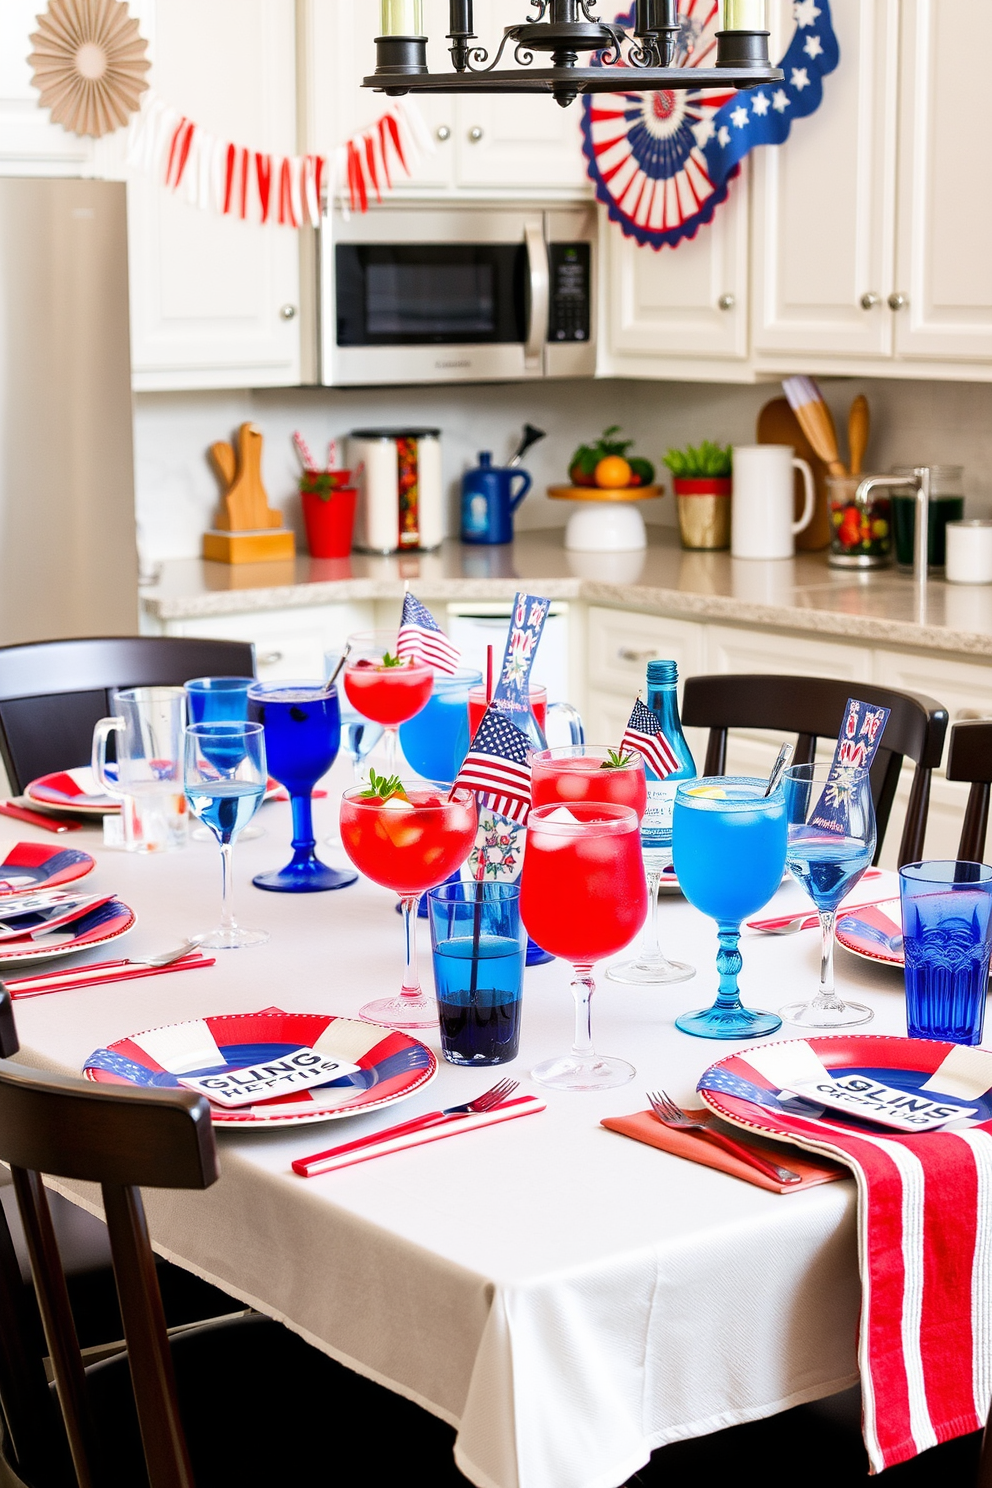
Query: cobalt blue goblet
[[302, 722]]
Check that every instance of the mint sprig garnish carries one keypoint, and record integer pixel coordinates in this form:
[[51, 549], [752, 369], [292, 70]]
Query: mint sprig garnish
[[383, 787], [391, 661], [617, 759]]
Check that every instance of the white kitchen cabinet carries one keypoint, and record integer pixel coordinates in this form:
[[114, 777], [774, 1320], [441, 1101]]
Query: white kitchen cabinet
[[943, 263], [30, 144], [679, 311], [823, 224], [483, 145], [289, 644], [215, 302]]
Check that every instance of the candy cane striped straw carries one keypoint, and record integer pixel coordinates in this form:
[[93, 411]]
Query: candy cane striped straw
[[332, 455], [305, 457]]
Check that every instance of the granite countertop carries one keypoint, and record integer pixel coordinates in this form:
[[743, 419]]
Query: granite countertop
[[800, 594]]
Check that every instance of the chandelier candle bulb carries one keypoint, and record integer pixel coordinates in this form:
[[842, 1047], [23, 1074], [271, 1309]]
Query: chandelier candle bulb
[[401, 17], [744, 15]]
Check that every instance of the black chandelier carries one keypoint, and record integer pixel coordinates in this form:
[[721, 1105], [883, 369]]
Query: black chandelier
[[651, 58]]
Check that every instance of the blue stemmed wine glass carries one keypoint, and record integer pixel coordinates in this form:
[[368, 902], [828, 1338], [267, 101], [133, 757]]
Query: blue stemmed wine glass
[[728, 843], [831, 843], [219, 700], [224, 780], [302, 722]]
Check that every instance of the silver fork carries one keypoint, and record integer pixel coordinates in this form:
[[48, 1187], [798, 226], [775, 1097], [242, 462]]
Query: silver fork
[[669, 1114], [166, 958], [483, 1102]]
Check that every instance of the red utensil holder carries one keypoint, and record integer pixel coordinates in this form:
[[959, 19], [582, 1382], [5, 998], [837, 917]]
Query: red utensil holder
[[329, 523]]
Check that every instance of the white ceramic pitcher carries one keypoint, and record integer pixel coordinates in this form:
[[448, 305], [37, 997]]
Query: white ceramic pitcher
[[761, 521]]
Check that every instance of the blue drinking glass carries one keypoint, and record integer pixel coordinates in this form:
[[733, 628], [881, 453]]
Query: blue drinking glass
[[947, 941], [479, 945], [831, 843], [224, 780], [219, 700], [435, 741], [302, 724], [728, 845]]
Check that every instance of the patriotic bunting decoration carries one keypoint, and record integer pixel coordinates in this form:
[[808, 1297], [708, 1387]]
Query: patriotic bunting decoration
[[497, 767], [645, 737], [421, 637], [662, 162], [234, 180]]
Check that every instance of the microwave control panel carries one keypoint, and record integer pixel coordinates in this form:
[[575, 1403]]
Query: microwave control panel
[[569, 315]]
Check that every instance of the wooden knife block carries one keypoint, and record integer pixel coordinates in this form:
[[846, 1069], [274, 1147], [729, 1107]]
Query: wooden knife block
[[247, 529]]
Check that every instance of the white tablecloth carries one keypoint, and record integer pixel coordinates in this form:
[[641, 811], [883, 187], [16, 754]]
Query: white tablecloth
[[568, 1298]]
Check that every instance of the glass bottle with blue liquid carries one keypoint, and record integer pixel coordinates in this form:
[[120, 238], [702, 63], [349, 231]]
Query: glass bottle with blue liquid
[[651, 967]]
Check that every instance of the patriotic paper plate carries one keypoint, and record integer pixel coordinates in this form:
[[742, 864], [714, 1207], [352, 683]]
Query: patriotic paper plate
[[106, 922], [33, 865], [874, 933], [391, 1065], [74, 791], [747, 1089]]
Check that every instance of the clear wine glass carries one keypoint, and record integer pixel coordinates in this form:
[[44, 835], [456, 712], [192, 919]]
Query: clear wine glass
[[219, 700], [831, 843], [224, 779]]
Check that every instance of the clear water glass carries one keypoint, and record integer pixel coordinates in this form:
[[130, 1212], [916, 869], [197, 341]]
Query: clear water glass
[[219, 700], [831, 843], [224, 779]]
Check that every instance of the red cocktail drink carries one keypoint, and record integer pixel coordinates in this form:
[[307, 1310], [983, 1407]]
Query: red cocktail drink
[[477, 706], [578, 773], [409, 842], [582, 897], [381, 687]]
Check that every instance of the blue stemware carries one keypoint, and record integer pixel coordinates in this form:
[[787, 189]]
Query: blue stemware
[[219, 700], [302, 723], [224, 780], [728, 842]]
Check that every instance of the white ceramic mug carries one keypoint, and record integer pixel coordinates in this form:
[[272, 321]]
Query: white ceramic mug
[[761, 520], [969, 552]]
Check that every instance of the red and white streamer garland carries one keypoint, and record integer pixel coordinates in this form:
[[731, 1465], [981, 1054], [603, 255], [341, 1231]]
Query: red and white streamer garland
[[216, 174]]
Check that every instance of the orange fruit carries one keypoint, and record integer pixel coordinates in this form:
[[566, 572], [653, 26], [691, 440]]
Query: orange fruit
[[613, 472]]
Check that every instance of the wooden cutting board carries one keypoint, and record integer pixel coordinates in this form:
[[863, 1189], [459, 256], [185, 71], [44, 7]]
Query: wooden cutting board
[[777, 424]]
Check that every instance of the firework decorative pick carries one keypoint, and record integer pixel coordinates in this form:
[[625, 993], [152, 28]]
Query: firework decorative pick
[[857, 744]]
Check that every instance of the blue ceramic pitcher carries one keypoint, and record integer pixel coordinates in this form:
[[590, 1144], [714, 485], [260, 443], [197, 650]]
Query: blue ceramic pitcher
[[489, 500]]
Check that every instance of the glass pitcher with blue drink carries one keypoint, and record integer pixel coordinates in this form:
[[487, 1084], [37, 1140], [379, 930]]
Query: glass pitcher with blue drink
[[651, 967]]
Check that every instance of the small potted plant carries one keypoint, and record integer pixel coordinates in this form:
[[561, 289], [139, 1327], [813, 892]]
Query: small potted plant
[[701, 480], [328, 500]]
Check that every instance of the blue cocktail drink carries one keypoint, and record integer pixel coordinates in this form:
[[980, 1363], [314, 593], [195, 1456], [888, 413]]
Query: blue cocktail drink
[[831, 843], [947, 941], [435, 741], [225, 805], [728, 842], [302, 724]]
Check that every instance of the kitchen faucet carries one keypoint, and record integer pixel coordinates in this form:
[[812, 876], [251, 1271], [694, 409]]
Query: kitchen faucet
[[920, 481]]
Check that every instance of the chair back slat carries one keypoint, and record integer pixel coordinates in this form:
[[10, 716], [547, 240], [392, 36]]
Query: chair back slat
[[122, 1139], [57, 1321], [813, 708], [149, 1359], [53, 692], [969, 758]]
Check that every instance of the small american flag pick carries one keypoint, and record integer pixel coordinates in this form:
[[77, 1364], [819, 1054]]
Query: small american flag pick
[[497, 767], [645, 737], [421, 637]]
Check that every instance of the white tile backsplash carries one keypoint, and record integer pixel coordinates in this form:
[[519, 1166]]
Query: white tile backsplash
[[935, 422]]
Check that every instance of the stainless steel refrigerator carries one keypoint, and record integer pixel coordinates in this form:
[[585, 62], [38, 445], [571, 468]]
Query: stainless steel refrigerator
[[68, 556]]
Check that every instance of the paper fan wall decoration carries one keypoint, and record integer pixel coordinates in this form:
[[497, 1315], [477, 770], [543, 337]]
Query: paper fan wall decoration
[[89, 64]]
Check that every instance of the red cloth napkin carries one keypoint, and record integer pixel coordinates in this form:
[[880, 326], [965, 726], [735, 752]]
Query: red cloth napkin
[[644, 1126], [924, 1233]]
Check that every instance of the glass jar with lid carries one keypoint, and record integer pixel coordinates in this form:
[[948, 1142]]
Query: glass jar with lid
[[946, 505]]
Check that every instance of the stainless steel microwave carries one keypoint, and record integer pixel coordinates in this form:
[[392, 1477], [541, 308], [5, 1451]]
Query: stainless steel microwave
[[434, 293]]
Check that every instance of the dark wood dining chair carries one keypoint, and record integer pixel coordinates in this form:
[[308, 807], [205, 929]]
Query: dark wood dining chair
[[53, 692], [172, 1411], [813, 708], [969, 758]]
